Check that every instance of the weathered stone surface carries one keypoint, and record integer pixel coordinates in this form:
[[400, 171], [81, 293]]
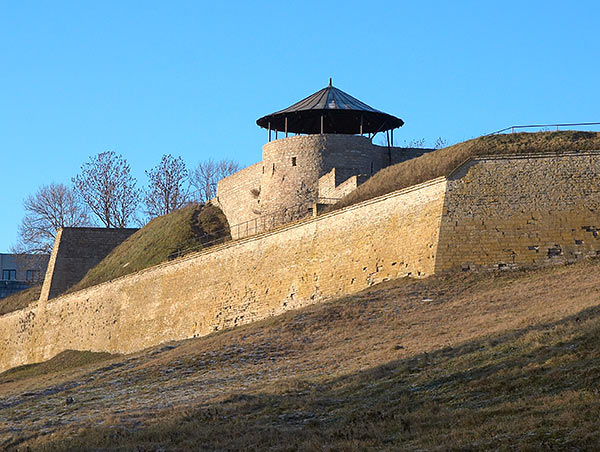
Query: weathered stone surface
[[292, 172], [521, 210], [236, 283]]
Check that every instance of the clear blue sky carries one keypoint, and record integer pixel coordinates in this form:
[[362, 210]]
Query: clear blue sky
[[146, 78]]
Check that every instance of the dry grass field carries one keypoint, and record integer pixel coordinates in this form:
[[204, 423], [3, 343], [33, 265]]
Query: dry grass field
[[496, 361]]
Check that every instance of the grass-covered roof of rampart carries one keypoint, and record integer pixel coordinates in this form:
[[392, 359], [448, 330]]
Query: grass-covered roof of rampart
[[184, 230], [443, 161], [20, 300]]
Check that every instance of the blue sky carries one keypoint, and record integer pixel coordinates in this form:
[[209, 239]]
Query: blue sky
[[146, 78]]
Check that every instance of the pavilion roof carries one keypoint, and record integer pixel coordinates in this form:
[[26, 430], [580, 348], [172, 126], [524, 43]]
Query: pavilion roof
[[340, 113]]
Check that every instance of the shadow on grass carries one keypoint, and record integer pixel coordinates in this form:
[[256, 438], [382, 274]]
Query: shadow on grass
[[534, 388]]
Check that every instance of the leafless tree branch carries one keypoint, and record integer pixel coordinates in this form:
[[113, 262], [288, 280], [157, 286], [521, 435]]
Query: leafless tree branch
[[105, 184]]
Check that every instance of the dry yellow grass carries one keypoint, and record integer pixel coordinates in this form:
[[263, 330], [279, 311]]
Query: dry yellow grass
[[443, 161], [20, 299], [502, 361]]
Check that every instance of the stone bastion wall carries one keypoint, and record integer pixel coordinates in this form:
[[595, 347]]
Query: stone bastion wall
[[238, 282], [291, 167], [521, 210], [492, 212]]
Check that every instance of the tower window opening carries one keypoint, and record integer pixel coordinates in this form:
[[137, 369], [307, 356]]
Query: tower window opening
[[293, 161], [273, 170]]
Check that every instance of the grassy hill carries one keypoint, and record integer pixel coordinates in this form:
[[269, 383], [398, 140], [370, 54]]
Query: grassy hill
[[163, 238], [20, 300], [495, 361], [443, 161]]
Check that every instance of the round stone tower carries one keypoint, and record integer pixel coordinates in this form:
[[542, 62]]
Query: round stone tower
[[330, 148]]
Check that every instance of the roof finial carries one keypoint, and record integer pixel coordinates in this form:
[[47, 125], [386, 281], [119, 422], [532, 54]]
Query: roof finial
[[330, 81]]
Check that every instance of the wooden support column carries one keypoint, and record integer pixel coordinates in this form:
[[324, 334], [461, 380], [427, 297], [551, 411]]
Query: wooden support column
[[286, 132], [269, 128], [361, 125], [321, 124]]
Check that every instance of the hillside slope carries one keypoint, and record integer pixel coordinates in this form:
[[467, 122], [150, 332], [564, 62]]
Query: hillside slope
[[443, 161], [20, 300], [503, 361], [165, 237]]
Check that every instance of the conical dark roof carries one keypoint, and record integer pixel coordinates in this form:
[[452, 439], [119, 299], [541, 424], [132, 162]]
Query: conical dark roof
[[341, 113]]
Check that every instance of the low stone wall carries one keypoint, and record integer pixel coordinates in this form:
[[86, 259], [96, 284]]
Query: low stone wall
[[521, 210], [239, 282]]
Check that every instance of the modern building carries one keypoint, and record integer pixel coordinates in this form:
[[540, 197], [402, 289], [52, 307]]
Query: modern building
[[21, 271]]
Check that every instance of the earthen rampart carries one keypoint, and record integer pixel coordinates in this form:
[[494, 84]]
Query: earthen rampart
[[492, 212]]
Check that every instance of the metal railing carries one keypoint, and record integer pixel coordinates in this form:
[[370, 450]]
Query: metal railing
[[540, 126], [248, 228]]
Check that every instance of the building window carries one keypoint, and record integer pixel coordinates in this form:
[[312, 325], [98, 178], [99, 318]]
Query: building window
[[32, 275], [273, 171], [293, 161], [9, 275]]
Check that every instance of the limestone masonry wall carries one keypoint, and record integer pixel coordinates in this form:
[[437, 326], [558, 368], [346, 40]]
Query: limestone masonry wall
[[75, 251], [521, 210], [238, 194], [492, 212], [291, 168], [335, 254]]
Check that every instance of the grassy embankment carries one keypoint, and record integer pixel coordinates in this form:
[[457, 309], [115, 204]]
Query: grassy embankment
[[443, 161], [163, 238], [182, 231], [500, 361], [20, 300]]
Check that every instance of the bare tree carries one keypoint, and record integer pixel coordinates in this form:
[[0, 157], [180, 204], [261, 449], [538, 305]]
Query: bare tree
[[105, 184], [205, 176], [52, 207], [416, 143], [440, 143], [166, 189]]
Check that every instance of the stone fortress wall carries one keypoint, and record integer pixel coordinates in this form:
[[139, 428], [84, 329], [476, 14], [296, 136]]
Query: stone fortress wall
[[237, 282], [75, 251], [496, 212], [521, 210], [237, 195], [301, 169]]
